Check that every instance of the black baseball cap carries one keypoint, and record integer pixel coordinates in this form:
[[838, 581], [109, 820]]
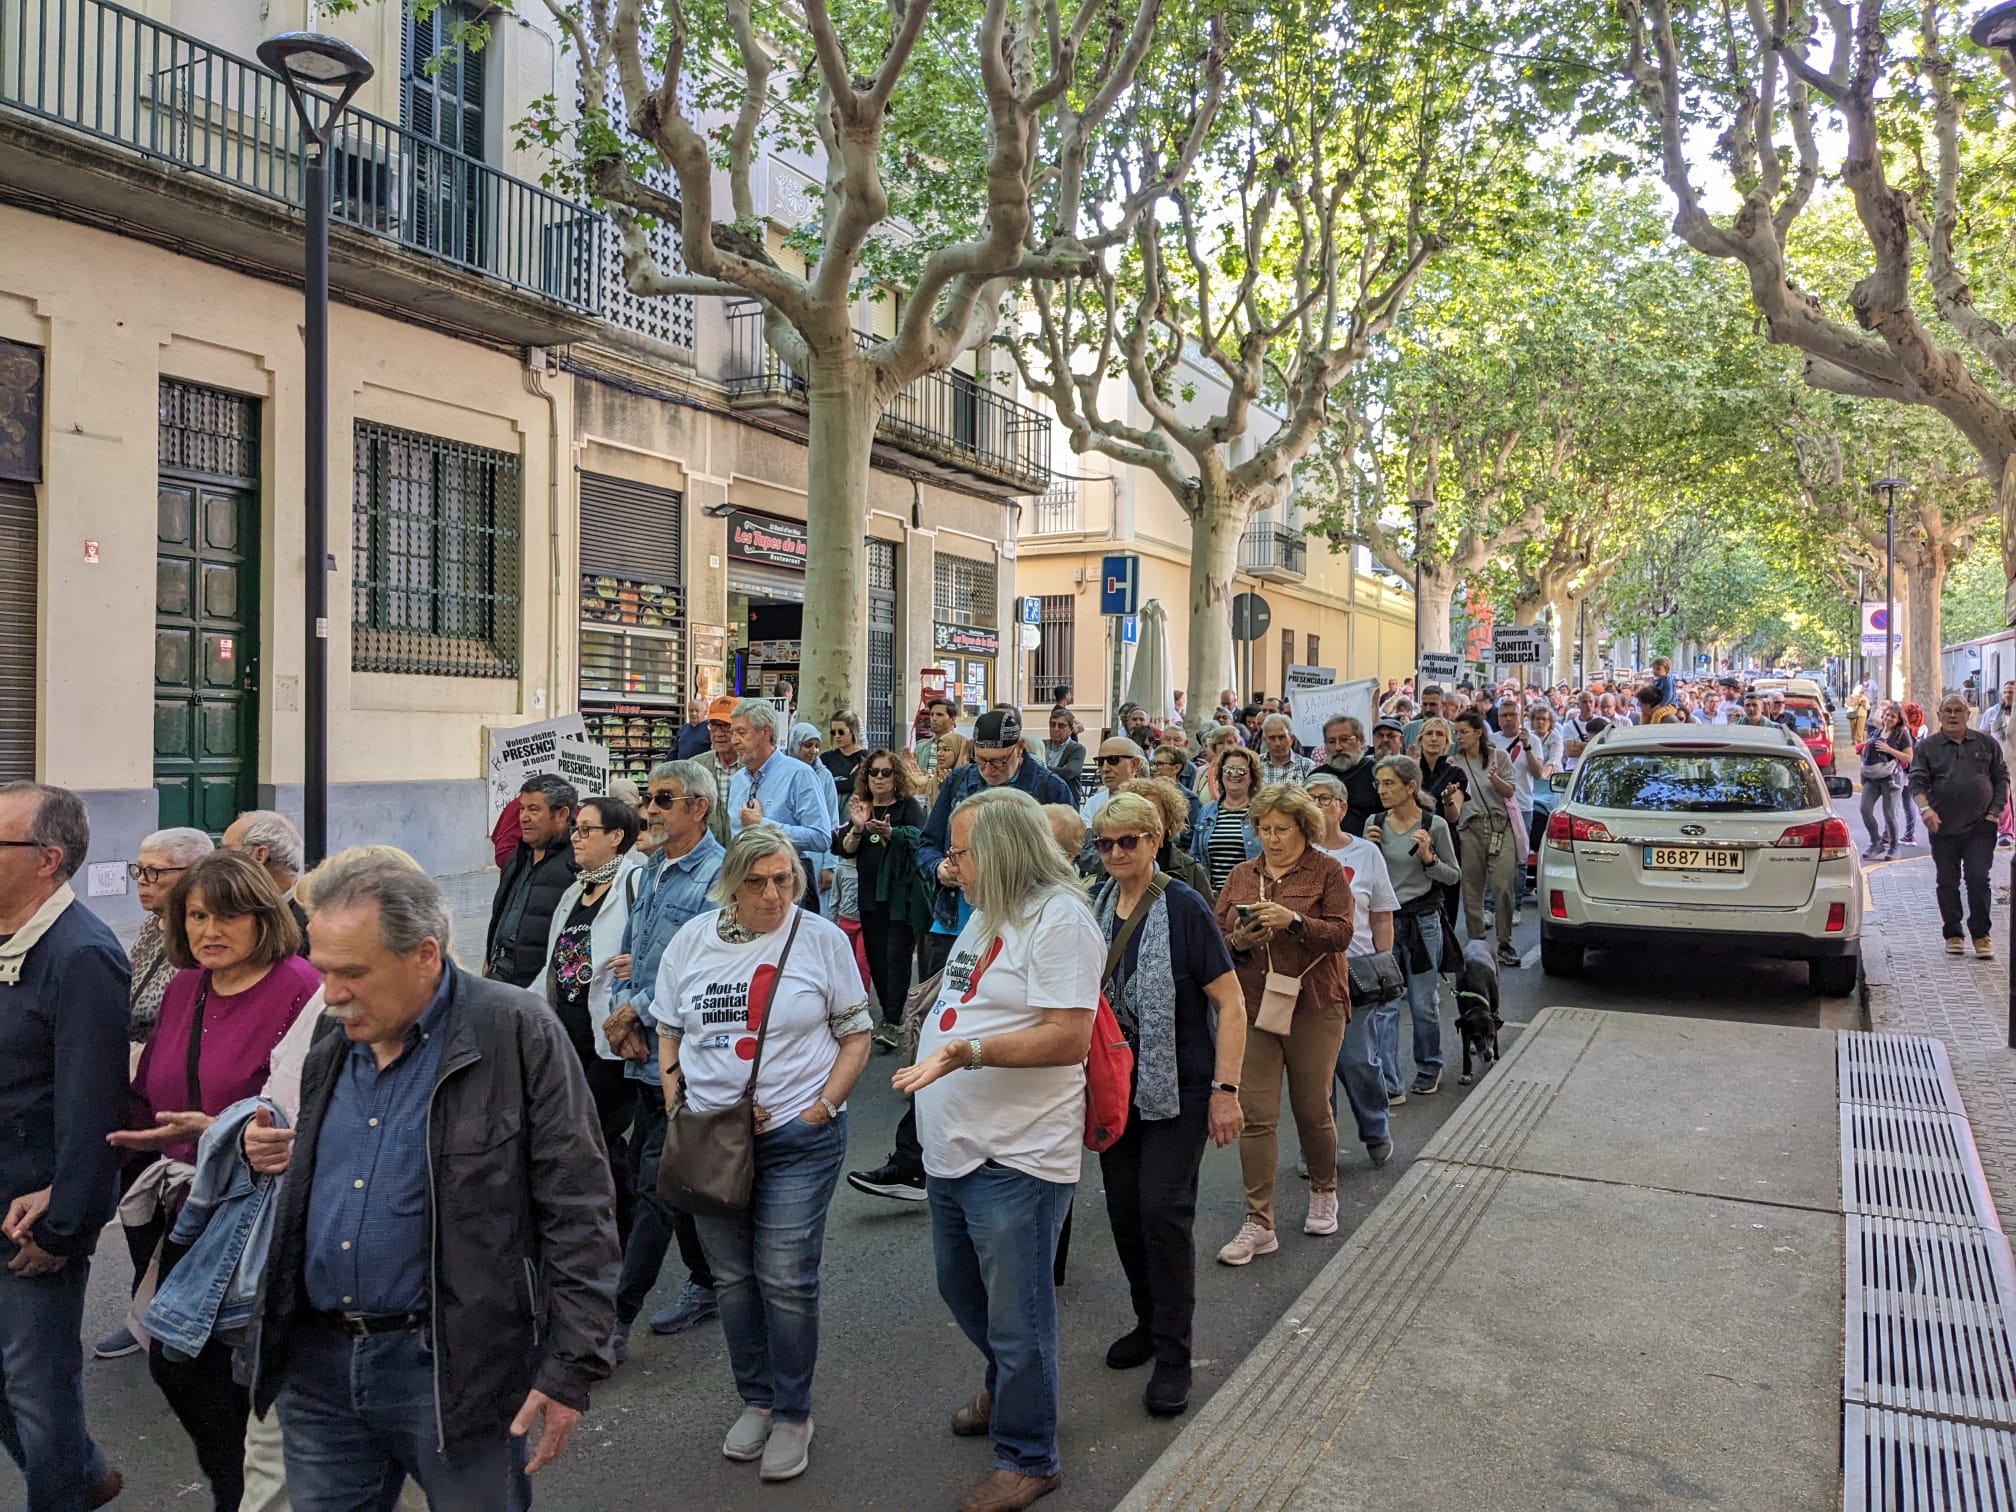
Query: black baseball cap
[[998, 728], [1389, 724]]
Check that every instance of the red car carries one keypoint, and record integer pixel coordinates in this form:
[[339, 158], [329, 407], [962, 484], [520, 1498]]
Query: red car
[[1812, 725]]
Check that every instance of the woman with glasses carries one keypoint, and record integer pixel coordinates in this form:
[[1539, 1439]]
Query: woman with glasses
[[582, 948], [843, 753], [1177, 998], [763, 985], [1222, 838], [1421, 865], [884, 821]]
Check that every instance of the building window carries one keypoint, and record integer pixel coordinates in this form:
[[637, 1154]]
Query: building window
[[1287, 657], [1315, 656], [1051, 662], [963, 591], [435, 556]]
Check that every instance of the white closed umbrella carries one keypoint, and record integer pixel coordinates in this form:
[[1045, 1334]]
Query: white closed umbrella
[[1152, 684]]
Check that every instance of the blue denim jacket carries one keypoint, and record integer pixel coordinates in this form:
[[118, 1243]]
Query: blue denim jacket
[[227, 1224]]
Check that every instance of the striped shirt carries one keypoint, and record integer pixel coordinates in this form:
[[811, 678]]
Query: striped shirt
[[1226, 847]]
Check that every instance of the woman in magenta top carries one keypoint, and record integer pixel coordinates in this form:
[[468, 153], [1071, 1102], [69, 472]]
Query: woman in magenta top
[[233, 938]]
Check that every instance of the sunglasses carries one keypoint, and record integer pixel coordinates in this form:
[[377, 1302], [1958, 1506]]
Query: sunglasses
[[874, 772], [1109, 760], [666, 800], [1106, 844]]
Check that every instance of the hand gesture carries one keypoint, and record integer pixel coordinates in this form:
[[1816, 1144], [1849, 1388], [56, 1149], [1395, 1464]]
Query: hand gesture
[[620, 967], [553, 1435], [857, 811], [184, 1127], [23, 1213], [1226, 1118], [1424, 844], [951, 1056], [267, 1149]]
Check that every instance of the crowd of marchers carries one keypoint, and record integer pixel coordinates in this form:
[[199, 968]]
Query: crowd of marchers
[[390, 1218]]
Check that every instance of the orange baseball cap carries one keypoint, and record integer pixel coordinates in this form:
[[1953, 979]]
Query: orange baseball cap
[[722, 709]]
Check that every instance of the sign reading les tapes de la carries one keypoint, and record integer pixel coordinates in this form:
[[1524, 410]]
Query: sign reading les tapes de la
[[758, 538]]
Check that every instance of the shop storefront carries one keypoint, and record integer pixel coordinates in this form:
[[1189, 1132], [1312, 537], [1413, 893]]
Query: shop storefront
[[965, 630], [766, 602], [969, 655], [633, 625]]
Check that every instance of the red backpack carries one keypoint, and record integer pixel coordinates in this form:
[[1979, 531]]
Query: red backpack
[[1109, 1077]]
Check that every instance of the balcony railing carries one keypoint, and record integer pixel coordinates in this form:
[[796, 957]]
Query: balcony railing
[[100, 69], [1269, 550], [947, 415], [1060, 511]]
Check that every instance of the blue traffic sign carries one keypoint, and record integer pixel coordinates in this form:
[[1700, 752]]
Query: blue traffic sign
[[1032, 610], [1130, 629], [1119, 586]]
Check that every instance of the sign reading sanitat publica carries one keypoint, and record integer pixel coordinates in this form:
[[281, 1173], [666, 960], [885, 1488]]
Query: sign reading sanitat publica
[[969, 639], [759, 538]]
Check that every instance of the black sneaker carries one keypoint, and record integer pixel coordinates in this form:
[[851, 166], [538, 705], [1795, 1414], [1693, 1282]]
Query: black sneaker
[[1130, 1350], [889, 1180], [1426, 1085], [1168, 1390]]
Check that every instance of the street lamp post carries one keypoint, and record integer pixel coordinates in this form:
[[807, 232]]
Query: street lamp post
[[1420, 507], [321, 75], [1889, 487]]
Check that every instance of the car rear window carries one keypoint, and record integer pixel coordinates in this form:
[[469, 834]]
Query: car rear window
[[1805, 718], [1699, 782]]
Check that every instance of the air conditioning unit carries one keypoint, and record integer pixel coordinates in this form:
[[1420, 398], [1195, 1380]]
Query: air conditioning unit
[[370, 181]]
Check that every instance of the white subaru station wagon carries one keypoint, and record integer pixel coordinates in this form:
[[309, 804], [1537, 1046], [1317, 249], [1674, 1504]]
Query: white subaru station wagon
[[1712, 835]]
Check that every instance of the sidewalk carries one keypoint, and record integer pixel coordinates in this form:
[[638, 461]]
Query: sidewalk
[[1613, 1279], [1914, 987]]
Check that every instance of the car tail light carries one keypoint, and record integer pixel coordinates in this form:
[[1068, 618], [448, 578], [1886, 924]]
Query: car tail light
[[1557, 906], [1837, 917], [1828, 836], [1564, 829]]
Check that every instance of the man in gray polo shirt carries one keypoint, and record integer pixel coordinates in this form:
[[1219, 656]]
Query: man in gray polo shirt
[[1959, 782]]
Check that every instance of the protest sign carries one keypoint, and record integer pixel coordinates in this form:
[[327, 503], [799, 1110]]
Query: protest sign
[[1301, 679], [521, 751], [584, 764], [1311, 708]]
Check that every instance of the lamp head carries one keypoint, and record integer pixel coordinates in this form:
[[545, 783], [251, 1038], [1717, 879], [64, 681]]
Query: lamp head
[[1996, 27], [326, 70], [1893, 482]]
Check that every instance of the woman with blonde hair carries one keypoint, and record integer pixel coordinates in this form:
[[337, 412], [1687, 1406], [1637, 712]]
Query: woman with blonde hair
[[1287, 916], [1000, 1095]]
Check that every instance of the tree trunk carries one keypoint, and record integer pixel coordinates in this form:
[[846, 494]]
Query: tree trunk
[[1566, 624], [1924, 582], [1438, 593], [1214, 558], [845, 406]]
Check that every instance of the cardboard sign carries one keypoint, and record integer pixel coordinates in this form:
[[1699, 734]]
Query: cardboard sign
[[1312, 707], [1439, 667], [1518, 645], [584, 764], [1301, 678], [521, 751]]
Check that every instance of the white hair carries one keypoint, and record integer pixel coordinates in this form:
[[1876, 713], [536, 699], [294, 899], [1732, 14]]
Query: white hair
[[275, 831], [759, 714], [182, 845], [744, 851], [1277, 721], [1014, 862]]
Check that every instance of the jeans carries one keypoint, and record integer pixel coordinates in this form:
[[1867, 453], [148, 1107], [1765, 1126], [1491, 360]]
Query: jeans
[[994, 1234], [1424, 1010], [655, 1222], [1308, 1053], [42, 1386], [766, 1266], [1361, 1068], [1970, 850], [213, 1409], [1151, 1198], [1880, 790], [1500, 872], [358, 1417], [892, 948]]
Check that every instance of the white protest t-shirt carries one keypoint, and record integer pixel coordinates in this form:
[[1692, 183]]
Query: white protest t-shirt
[[1371, 888], [1030, 1119], [703, 995]]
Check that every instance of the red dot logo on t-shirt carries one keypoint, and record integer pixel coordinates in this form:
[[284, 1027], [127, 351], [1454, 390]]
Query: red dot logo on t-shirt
[[745, 1048], [947, 1019], [762, 981]]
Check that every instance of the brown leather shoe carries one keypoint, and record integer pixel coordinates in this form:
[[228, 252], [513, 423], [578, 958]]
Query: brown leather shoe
[[106, 1488], [1005, 1490], [971, 1421]]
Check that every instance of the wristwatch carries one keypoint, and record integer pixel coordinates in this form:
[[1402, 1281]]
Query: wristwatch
[[1294, 923], [1232, 1087], [831, 1111], [972, 1055]]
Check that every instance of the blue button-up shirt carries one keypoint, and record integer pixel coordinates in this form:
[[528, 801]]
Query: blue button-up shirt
[[367, 1206], [789, 791], [668, 894]]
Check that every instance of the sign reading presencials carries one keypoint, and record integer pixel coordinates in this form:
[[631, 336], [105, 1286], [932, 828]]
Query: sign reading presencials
[[760, 538], [522, 751], [969, 640], [1302, 678]]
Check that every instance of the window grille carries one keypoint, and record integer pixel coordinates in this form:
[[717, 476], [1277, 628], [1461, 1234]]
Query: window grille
[[1051, 662], [435, 556], [207, 431], [1315, 655], [666, 318], [963, 591]]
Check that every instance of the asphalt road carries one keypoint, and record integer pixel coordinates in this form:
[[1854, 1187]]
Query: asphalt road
[[893, 1366]]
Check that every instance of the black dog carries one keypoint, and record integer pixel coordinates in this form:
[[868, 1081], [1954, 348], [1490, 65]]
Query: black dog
[[1477, 1008]]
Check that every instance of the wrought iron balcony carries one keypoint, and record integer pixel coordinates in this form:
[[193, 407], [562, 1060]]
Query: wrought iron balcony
[[96, 68], [948, 418], [1060, 511], [1270, 551]]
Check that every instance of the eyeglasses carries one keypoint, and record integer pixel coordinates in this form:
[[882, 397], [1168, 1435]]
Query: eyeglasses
[[874, 772], [148, 874], [1109, 760], [770, 884], [993, 763], [956, 856], [666, 800], [1106, 844], [590, 829]]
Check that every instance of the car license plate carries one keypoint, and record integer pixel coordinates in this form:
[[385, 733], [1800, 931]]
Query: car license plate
[[1692, 858]]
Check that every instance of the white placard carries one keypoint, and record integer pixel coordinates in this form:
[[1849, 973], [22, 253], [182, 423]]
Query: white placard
[[1518, 645], [584, 764], [521, 751], [1442, 667], [1302, 678], [1311, 708]]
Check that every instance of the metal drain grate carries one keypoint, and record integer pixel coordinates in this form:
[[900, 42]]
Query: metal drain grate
[[1895, 1462], [1896, 1071], [1906, 1163], [1929, 1312]]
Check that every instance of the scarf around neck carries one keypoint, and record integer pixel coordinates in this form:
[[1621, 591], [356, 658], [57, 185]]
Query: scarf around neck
[[14, 953], [594, 877], [1146, 1002]]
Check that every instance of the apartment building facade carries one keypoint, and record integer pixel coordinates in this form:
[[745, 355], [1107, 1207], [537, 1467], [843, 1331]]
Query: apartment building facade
[[545, 493]]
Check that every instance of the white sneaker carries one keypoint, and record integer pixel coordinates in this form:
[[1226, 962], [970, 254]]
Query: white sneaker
[[1252, 1239], [1322, 1217]]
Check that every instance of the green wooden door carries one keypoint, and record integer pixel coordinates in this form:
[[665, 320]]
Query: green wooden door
[[206, 617]]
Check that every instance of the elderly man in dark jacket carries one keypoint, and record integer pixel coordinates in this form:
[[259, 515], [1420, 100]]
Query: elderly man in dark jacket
[[539, 871], [1960, 780], [442, 1278]]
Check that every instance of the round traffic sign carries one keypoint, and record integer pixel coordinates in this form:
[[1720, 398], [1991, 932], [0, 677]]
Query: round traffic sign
[[1030, 636], [1250, 617]]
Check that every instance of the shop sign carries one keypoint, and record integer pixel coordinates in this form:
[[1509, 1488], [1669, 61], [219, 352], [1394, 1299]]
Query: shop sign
[[970, 639], [758, 538]]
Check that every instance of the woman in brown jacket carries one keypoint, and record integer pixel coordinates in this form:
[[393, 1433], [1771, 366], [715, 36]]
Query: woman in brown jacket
[[1287, 914]]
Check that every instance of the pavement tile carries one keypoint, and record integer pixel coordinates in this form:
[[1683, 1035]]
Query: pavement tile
[[1914, 987]]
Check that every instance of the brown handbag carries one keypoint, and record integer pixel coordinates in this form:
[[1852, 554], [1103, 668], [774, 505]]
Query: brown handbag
[[709, 1165]]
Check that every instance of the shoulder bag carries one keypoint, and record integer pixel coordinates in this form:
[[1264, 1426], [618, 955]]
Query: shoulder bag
[[709, 1165], [1279, 992]]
